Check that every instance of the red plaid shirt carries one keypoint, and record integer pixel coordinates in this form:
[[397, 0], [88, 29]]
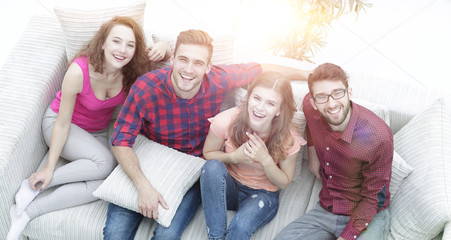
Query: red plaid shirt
[[153, 110], [355, 165]]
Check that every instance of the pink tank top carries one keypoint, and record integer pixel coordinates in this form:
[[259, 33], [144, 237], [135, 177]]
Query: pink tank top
[[90, 113]]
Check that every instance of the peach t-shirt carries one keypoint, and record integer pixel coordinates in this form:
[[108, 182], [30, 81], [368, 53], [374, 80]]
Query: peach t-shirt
[[249, 174]]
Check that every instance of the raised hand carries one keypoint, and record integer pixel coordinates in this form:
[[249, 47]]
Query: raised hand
[[157, 51], [256, 150]]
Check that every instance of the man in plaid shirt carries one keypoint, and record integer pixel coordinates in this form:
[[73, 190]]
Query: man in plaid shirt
[[351, 150], [171, 106]]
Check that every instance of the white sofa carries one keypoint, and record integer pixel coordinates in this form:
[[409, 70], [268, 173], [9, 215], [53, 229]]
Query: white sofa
[[31, 75]]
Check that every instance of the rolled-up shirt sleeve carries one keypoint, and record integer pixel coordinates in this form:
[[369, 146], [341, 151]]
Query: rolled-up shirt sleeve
[[128, 123]]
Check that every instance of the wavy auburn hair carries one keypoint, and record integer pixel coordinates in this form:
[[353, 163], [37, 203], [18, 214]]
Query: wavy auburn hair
[[135, 68], [280, 137]]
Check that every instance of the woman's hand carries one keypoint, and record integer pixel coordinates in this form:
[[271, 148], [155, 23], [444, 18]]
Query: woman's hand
[[158, 51], [255, 149], [240, 155], [45, 175]]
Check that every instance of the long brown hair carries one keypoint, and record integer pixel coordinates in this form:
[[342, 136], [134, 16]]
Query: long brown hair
[[135, 68], [280, 137]]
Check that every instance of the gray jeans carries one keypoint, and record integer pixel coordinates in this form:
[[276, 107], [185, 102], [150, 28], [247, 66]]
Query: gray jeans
[[90, 162], [320, 224]]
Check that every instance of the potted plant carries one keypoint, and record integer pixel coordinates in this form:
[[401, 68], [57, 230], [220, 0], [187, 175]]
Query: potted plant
[[312, 18]]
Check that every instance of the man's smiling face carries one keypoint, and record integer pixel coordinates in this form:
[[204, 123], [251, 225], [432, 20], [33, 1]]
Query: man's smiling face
[[190, 64]]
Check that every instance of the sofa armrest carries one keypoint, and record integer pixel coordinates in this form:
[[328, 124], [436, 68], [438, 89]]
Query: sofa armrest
[[29, 80]]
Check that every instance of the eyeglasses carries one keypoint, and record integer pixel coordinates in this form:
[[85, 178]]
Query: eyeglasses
[[324, 98]]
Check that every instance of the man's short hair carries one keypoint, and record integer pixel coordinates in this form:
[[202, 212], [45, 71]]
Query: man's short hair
[[196, 37], [327, 71]]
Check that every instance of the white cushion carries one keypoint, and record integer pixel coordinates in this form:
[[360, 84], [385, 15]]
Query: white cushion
[[171, 173], [421, 207], [222, 48], [400, 170], [380, 110], [79, 24]]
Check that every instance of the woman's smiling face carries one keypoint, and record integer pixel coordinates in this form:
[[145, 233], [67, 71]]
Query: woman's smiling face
[[264, 104]]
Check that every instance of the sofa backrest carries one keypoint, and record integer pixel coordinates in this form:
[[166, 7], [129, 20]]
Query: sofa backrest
[[404, 100]]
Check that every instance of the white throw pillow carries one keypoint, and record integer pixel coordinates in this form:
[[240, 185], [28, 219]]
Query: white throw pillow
[[222, 48], [399, 171], [421, 207], [79, 24], [171, 173]]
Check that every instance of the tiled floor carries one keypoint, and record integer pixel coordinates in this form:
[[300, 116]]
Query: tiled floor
[[407, 40]]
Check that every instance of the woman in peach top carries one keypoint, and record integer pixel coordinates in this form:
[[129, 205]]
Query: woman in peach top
[[254, 148]]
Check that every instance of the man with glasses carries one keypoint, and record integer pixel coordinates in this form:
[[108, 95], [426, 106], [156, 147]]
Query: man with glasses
[[351, 150]]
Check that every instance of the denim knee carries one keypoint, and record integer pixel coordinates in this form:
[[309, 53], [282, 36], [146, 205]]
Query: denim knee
[[213, 168], [121, 223], [162, 233]]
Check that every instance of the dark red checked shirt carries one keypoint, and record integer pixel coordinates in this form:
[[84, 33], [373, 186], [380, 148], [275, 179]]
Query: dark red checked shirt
[[153, 110], [355, 165]]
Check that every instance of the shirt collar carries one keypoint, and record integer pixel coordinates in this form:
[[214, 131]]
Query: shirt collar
[[349, 131], [203, 87]]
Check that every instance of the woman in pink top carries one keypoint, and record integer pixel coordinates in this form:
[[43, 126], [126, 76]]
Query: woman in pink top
[[74, 126], [255, 148]]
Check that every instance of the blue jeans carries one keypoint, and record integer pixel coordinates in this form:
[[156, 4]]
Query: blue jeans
[[319, 223], [221, 192], [122, 223]]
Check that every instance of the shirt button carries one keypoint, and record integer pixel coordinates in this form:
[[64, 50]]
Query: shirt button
[[366, 224], [327, 164], [355, 236], [327, 148], [330, 176]]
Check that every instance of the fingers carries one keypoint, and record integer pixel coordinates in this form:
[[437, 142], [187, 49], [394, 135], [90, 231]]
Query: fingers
[[154, 55], [33, 180], [163, 203], [44, 185], [32, 184], [255, 141], [154, 213], [248, 148], [315, 172], [249, 153], [148, 211]]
